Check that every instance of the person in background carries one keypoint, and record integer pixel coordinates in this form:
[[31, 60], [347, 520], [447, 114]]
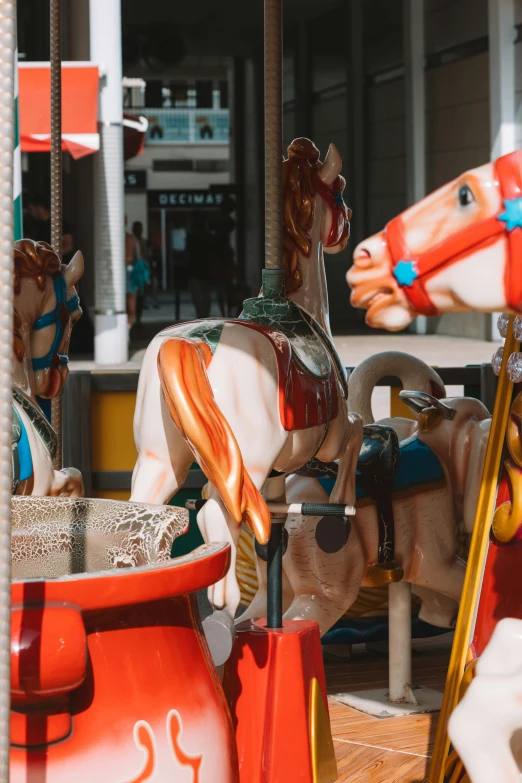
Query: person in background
[[142, 255], [39, 226], [199, 250], [130, 287]]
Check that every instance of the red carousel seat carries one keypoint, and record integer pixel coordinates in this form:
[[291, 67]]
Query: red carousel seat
[[111, 677]]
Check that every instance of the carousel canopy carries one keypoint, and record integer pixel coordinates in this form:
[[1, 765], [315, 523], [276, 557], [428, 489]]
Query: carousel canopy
[[80, 82]]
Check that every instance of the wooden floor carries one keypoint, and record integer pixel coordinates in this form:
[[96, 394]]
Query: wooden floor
[[390, 750]]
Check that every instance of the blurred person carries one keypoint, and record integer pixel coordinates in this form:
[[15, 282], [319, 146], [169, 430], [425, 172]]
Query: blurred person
[[147, 281], [199, 250], [39, 226]]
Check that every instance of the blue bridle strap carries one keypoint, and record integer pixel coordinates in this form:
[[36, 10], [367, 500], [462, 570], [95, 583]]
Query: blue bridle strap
[[53, 318]]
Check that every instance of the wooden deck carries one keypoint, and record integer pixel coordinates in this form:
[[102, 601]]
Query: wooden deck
[[390, 750]]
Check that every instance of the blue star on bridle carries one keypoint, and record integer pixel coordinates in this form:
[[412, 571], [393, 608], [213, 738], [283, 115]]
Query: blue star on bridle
[[405, 272], [512, 217]]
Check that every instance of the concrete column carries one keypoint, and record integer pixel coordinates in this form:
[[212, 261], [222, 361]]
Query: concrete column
[[415, 103], [501, 24], [110, 322]]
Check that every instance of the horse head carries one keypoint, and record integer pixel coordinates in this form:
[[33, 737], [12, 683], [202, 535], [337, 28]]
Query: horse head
[[46, 307], [315, 216], [456, 250]]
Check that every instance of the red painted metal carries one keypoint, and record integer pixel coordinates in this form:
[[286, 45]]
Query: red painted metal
[[267, 682], [115, 666]]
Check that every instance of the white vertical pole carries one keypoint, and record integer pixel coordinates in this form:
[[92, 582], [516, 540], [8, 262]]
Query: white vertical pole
[[501, 29], [413, 36], [7, 131], [110, 323], [399, 617]]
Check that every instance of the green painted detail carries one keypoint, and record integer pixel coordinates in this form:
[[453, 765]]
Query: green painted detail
[[17, 219], [208, 331], [40, 423], [311, 346]]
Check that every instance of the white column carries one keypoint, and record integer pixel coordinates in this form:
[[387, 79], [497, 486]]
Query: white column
[[399, 617], [415, 103], [501, 24], [110, 323]]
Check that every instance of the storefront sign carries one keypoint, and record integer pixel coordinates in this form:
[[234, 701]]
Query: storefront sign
[[135, 180], [184, 199]]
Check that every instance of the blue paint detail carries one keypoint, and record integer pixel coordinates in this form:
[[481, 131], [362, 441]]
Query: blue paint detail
[[513, 214], [375, 629], [24, 454], [417, 465], [45, 405], [405, 272], [339, 201], [54, 319]]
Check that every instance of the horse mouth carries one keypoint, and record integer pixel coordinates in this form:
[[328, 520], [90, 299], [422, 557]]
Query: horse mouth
[[373, 298]]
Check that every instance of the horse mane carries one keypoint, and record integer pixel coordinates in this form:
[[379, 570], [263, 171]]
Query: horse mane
[[35, 260], [298, 208]]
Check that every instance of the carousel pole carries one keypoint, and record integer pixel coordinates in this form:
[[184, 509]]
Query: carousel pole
[[17, 160], [56, 177], [274, 248], [7, 131], [274, 679]]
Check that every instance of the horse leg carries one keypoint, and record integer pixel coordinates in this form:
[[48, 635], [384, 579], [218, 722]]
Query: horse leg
[[436, 609], [67, 483], [325, 584]]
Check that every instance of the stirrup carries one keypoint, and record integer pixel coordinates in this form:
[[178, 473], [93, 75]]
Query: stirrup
[[379, 574]]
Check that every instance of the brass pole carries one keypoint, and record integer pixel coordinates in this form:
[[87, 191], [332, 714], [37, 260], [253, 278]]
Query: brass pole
[[56, 177]]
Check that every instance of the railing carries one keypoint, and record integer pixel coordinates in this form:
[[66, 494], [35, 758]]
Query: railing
[[187, 126]]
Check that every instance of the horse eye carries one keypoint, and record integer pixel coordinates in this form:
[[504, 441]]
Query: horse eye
[[465, 196]]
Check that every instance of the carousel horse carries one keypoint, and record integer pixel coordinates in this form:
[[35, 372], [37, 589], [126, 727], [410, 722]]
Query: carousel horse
[[455, 250], [485, 728], [255, 398], [46, 306], [424, 489]]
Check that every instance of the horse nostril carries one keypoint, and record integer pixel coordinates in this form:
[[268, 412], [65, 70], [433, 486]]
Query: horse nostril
[[362, 257]]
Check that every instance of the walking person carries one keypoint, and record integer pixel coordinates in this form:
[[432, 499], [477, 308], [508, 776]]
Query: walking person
[[140, 268]]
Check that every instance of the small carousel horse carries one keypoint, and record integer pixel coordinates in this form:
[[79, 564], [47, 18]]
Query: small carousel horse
[[255, 398], [46, 306], [458, 249]]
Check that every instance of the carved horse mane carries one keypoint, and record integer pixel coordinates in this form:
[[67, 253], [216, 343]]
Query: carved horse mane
[[37, 261], [301, 182]]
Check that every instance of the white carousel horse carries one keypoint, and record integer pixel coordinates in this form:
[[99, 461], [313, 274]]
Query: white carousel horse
[[486, 727], [433, 502], [45, 308], [457, 249], [261, 394]]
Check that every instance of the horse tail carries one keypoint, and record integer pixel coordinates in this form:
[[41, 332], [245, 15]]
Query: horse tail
[[182, 366], [413, 374]]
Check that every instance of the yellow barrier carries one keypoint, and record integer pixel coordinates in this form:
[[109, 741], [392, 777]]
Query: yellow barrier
[[113, 446]]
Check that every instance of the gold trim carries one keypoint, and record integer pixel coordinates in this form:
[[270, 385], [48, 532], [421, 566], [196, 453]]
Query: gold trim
[[324, 766], [476, 560]]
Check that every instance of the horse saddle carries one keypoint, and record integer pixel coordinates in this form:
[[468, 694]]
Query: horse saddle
[[21, 461]]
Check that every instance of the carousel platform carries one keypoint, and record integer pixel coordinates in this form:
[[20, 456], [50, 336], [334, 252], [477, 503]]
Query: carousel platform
[[384, 750]]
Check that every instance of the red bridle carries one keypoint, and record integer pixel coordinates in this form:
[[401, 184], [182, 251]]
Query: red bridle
[[333, 197], [508, 173]]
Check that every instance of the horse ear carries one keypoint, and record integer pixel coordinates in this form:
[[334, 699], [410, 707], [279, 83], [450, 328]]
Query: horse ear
[[332, 165], [74, 269]]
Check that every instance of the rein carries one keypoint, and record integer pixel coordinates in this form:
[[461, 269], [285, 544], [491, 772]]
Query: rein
[[58, 318], [412, 272], [333, 197]]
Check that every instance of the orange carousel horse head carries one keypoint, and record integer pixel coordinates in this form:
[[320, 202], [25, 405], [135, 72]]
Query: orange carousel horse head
[[458, 249]]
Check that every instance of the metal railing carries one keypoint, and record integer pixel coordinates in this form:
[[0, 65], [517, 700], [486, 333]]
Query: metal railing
[[478, 381], [187, 126]]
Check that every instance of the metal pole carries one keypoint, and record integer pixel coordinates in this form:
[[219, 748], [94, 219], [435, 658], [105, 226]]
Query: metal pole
[[56, 177], [399, 615], [7, 131], [274, 616], [273, 134]]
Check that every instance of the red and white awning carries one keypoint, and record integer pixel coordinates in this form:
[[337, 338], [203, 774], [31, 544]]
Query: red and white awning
[[80, 85]]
